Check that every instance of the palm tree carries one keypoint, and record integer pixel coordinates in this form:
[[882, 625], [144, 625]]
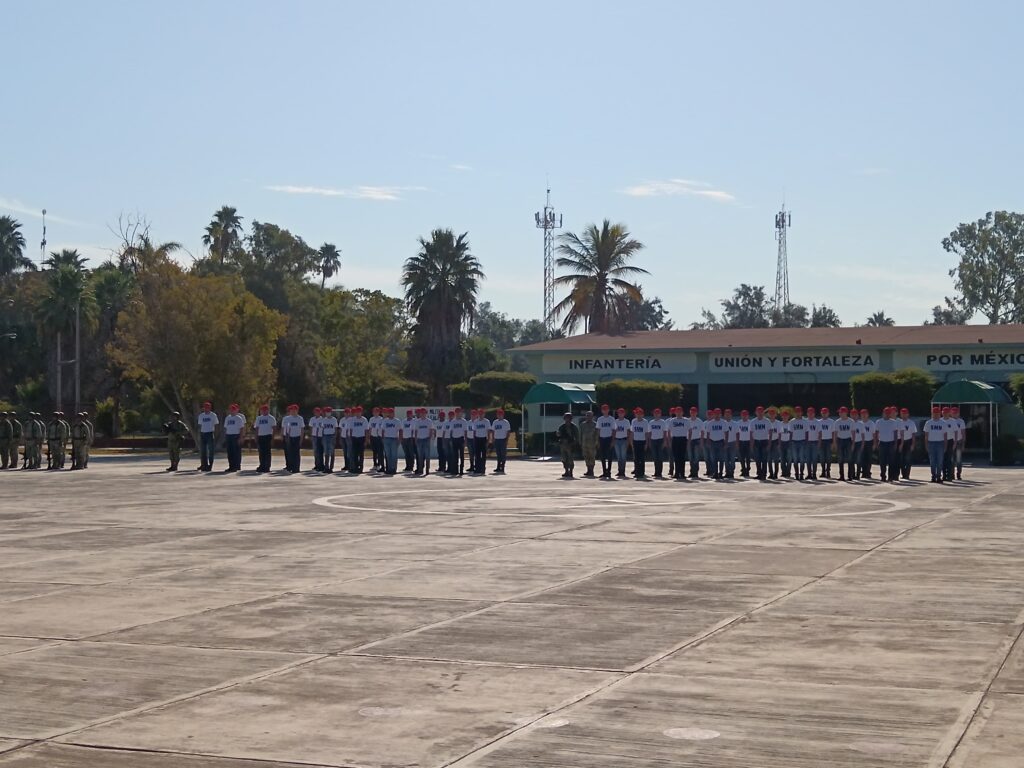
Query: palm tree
[[223, 233], [441, 284], [330, 262], [600, 296], [12, 248], [880, 320], [143, 253], [68, 257]]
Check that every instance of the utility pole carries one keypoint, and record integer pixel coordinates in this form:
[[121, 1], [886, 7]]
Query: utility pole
[[783, 221], [549, 221]]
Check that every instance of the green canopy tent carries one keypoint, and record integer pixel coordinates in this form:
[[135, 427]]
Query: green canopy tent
[[565, 395], [965, 392]]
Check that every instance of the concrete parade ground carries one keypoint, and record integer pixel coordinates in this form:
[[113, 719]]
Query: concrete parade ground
[[150, 620]]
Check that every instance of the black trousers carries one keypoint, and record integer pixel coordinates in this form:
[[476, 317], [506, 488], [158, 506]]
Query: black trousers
[[480, 453], [358, 451], [233, 445], [471, 450], [640, 458], [409, 449], [377, 446], [457, 459], [678, 457], [442, 456], [500, 452], [604, 448], [263, 444], [292, 453]]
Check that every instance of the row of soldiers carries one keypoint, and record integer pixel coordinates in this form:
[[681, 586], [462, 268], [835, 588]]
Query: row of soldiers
[[57, 433]]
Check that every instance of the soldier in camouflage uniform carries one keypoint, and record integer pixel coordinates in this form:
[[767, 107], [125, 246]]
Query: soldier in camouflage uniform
[[589, 441], [6, 437], [568, 435], [56, 438], [35, 431], [176, 432], [18, 433], [79, 442]]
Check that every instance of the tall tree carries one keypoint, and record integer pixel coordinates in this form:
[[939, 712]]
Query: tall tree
[[880, 320], [790, 316], [441, 284], [12, 248], [648, 315], [598, 280], [329, 262], [953, 313], [749, 307], [824, 317], [223, 234], [195, 338], [990, 275]]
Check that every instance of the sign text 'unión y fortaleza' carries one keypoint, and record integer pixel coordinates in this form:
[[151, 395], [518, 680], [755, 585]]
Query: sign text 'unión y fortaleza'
[[789, 362], [601, 363]]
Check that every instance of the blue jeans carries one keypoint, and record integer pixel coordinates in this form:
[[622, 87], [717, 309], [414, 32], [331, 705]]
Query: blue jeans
[[761, 456], [318, 451], [732, 450], [693, 451], [714, 456], [888, 467], [292, 453], [391, 455], [936, 454], [327, 453], [621, 445], [206, 449], [797, 454], [844, 449], [422, 454]]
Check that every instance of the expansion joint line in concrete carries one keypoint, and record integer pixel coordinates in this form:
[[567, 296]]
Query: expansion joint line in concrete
[[718, 629]]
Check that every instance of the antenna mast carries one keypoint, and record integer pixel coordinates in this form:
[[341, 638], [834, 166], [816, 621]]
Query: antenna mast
[[42, 245], [549, 221], [783, 221]]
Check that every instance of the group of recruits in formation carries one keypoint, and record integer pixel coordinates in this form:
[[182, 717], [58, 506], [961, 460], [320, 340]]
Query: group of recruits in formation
[[56, 432], [785, 444], [451, 434]]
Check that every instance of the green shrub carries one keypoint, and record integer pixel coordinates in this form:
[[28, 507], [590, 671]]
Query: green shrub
[[466, 399], [1017, 388], [633, 393], [1004, 450], [906, 388], [502, 386], [400, 392]]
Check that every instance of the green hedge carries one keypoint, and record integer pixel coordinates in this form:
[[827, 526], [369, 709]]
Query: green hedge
[[906, 388], [397, 393], [632, 393], [1004, 450], [502, 386], [466, 399]]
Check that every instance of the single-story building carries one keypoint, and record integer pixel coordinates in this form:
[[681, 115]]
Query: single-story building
[[741, 368]]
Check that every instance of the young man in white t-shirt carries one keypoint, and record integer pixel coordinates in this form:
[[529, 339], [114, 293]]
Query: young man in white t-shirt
[[390, 433], [376, 442], [657, 429], [316, 438], [481, 435], [358, 428], [639, 431], [887, 436], [959, 442], [263, 425], [329, 426], [936, 436], [867, 427], [458, 428], [743, 440], [827, 428], [798, 442], [292, 428], [908, 436], [208, 422], [622, 430], [500, 430], [234, 423], [605, 441], [694, 441], [784, 436], [409, 440], [678, 427], [845, 444], [760, 443]]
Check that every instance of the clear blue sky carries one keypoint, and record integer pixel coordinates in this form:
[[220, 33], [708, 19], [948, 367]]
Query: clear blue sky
[[883, 124]]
